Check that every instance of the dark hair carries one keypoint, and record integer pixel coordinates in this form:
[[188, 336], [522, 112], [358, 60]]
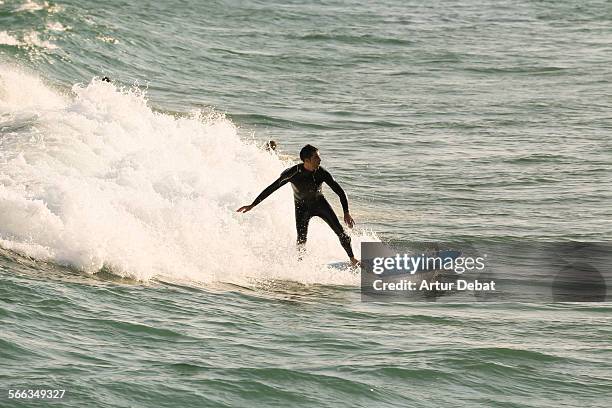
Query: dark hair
[[307, 152]]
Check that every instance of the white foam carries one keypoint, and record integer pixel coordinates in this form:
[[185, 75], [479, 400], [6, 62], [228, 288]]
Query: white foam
[[56, 26], [7, 39], [32, 38], [30, 5], [98, 179], [108, 39]]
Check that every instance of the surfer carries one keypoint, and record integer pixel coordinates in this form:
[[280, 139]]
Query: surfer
[[306, 179]]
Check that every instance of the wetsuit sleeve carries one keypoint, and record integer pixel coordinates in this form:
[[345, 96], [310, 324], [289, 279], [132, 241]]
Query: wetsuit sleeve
[[284, 178], [337, 189]]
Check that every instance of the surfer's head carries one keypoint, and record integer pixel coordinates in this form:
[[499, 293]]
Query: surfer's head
[[310, 156]]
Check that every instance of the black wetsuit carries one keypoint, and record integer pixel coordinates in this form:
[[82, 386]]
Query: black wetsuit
[[310, 202]]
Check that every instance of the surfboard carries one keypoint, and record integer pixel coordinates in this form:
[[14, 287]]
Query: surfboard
[[444, 254]]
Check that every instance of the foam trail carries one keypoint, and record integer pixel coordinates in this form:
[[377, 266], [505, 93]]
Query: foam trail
[[97, 179], [8, 39]]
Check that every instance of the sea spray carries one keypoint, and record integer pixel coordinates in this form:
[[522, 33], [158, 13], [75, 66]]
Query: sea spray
[[96, 178]]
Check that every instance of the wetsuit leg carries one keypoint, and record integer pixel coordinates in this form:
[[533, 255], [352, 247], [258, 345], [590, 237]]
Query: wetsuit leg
[[326, 212], [302, 217]]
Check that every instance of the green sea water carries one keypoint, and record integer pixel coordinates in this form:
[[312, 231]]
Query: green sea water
[[127, 279]]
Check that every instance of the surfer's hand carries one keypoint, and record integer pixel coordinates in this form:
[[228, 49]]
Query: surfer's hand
[[245, 208], [349, 220]]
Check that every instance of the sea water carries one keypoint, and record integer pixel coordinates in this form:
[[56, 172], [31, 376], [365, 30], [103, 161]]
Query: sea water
[[128, 279]]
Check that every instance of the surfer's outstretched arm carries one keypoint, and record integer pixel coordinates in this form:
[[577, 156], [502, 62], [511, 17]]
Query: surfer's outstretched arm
[[278, 183], [333, 184]]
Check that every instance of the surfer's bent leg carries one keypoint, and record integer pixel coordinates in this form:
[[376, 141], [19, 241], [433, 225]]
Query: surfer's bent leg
[[302, 216], [326, 212]]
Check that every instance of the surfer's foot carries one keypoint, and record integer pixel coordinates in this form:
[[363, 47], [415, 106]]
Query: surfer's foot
[[355, 262]]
